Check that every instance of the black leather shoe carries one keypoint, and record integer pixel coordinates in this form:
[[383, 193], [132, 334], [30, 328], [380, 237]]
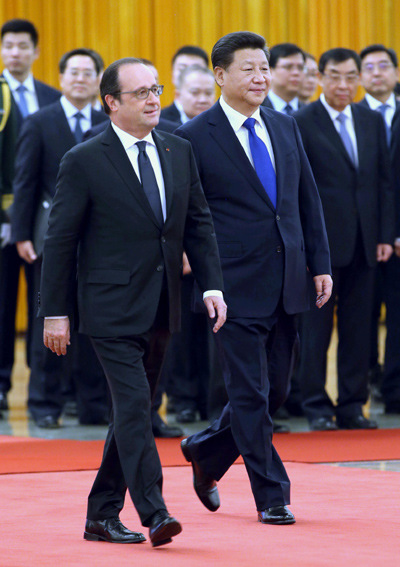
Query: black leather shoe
[[163, 528], [3, 401], [47, 422], [356, 422], [204, 486], [166, 431], [278, 515], [186, 416], [111, 530], [280, 428], [323, 424]]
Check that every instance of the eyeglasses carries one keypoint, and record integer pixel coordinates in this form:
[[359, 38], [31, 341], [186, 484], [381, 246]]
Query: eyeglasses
[[338, 78], [381, 66], [143, 93], [291, 67]]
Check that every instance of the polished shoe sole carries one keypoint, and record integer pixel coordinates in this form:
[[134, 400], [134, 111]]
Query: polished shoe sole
[[95, 537], [165, 532], [279, 522]]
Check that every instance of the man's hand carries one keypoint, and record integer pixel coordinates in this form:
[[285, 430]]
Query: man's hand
[[56, 335], [397, 247], [323, 288], [186, 269], [216, 304], [383, 252], [26, 250], [5, 234]]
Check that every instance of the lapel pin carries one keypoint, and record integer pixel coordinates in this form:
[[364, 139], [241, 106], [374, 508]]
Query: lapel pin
[[167, 149]]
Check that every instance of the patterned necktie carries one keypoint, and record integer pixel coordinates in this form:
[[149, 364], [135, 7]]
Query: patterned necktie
[[23, 104], [346, 138], [262, 160], [288, 110], [78, 129], [149, 182], [382, 109]]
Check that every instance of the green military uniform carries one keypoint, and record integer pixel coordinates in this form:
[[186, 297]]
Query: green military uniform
[[8, 132]]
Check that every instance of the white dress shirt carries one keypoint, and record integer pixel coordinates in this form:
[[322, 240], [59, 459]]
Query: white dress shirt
[[349, 124], [30, 93], [375, 104], [236, 120], [183, 116], [279, 104], [70, 111]]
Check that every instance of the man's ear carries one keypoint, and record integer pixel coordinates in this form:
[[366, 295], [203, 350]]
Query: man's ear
[[219, 75], [112, 102]]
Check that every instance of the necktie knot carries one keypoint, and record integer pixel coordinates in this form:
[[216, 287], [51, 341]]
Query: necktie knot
[[341, 118], [383, 108], [21, 89], [289, 109], [141, 146]]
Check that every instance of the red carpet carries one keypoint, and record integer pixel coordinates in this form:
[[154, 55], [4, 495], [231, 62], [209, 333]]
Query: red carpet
[[22, 455], [345, 517]]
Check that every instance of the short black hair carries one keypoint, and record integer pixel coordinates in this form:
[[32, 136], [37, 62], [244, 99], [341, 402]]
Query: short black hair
[[17, 25], [192, 50], [308, 56], [379, 47], [80, 51], [338, 55], [110, 81], [224, 50], [284, 50], [192, 69], [99, 58]]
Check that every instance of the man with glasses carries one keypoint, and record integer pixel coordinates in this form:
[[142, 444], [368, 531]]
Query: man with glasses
[[309, 83], [379, 76], [346, 147], [130, 200], [287, 72], [44, 138]]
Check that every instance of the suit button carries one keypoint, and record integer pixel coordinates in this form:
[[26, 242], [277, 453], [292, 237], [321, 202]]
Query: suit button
[[163, 239], [160, 268], [278, 218], [279, 249]]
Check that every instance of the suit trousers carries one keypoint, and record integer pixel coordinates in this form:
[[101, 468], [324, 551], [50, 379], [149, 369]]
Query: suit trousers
[[391, 377], [256, 356], [352, 293], [130, 461]]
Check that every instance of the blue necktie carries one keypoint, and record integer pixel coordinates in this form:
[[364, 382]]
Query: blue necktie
[[78, 129], [22, 105], [262, 160], [149, 182], [288, 110], [346, 138], [382, 109]]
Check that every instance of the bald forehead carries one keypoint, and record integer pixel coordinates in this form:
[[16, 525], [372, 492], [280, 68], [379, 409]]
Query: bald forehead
[[135, 72]]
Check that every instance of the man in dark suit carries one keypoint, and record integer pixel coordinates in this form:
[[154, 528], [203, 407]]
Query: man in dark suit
[[379, 75], [346, 147], [184, 57], [270, 229], [44, 138], [129, 269], [287, 63], [19, 49]]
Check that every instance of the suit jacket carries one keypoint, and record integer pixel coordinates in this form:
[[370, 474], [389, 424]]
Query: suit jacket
[[352, 199], [171, 113], [44, 138], [8, 134], [45, 95], [124, 255], [163, 125], [264, 252]]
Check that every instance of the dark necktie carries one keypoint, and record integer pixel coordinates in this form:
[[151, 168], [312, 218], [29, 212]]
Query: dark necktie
[[22, 105], [149, 182], [262, 160], [382, 109], [346, 137], [78, 128], [288, 110]]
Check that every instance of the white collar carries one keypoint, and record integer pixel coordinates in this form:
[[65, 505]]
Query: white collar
[[374, 103], [13, 83], [70, 110], [279, 104], [236, 118], [127, 140], [333, 113]]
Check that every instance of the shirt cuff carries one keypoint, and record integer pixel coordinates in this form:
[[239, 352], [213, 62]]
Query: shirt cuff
[[60, 317], [214, 292]]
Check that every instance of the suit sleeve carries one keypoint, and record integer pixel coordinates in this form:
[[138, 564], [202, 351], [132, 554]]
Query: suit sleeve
[[26, 181], [312, 216], [386, 190], [70, 205]]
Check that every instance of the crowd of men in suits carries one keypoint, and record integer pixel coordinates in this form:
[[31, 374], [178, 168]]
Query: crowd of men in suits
[[353, 150]]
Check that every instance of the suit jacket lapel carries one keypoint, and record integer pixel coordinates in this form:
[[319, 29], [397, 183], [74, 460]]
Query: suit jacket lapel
[[116, 154], [361, 126], [61, 122], [166, 166], [325, 123], [221, 131]]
